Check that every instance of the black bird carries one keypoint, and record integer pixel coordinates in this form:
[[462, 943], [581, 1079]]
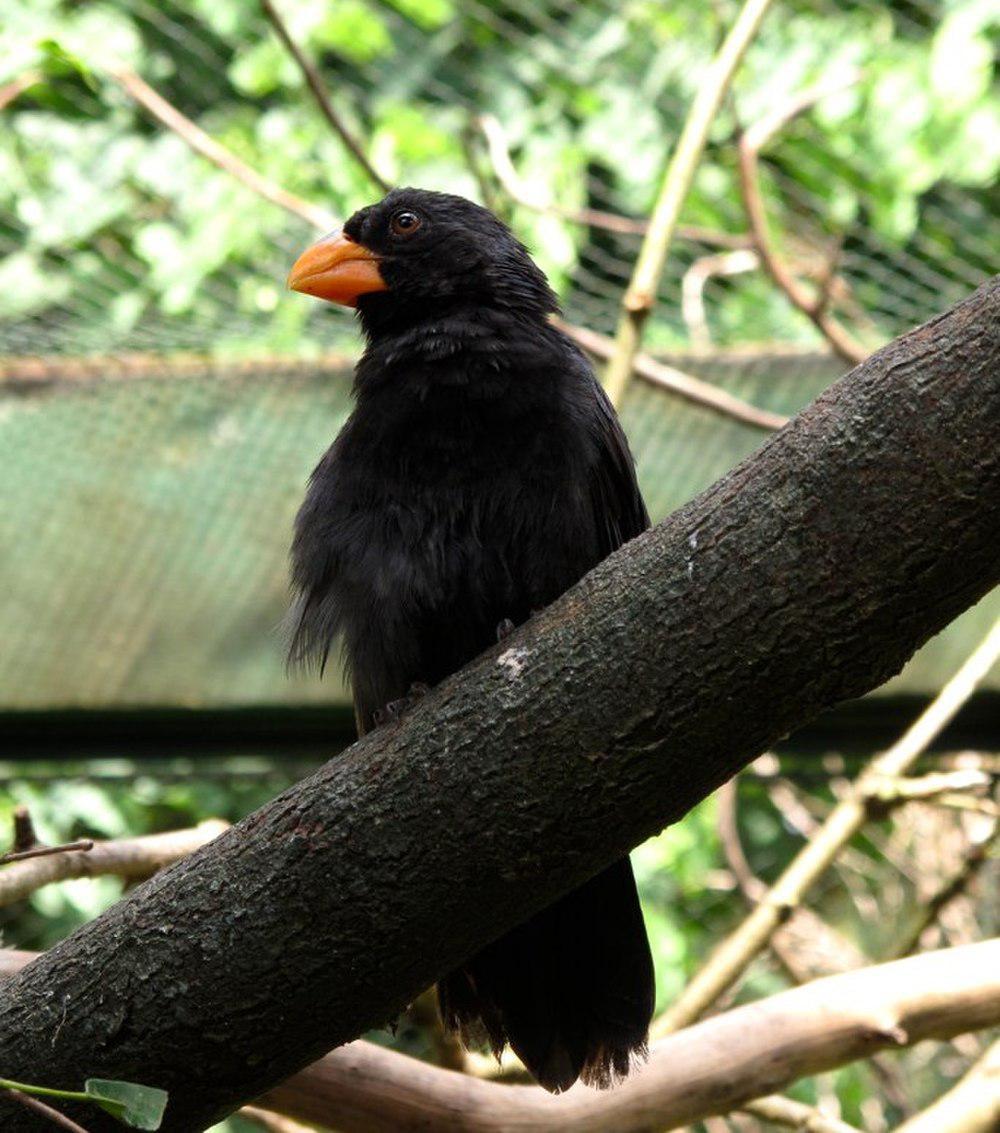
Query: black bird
[[481, 474]]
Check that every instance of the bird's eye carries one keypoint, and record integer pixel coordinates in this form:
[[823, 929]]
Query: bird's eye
[[404, 223]]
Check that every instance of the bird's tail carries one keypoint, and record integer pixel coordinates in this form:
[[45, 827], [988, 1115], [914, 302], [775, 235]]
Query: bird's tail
[[571, 990]]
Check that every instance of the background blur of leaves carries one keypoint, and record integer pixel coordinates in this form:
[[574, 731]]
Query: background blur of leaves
[[114, 233], [114, 236]]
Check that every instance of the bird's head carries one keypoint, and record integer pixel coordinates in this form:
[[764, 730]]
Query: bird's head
[[415, 254]]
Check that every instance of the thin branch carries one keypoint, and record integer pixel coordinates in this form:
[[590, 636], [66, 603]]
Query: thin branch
[[795, 1115], [521, 193], [693, 288], [315, 84], [131, 858], [711, 1068], [975, 858], [46, 1111], [735, 953], [204, 145], [693, 389], [753, 139], [53, 369], [971, 1106], [902, 790], [82, 845], [641, 293]]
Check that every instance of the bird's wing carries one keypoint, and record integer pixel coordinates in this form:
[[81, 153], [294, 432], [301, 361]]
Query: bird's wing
[[619, 510]]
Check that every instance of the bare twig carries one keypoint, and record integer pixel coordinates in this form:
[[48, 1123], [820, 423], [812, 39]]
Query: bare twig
[[795, 1115], [46, 1111], [641, 293], [753, 139], [17, 86], [902, 790], [733, 956], [195, 137], [971, 1106], [687, 386], [514, 186], [315, 84], [711, 1068], [975, 858], [693, 288], [131, 858], [82, 845]]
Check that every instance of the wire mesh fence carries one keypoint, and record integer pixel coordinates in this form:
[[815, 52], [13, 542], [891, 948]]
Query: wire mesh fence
[[162, 398]]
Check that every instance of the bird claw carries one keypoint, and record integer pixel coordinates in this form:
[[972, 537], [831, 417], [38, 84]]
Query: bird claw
[[505, 629], [396, 709]]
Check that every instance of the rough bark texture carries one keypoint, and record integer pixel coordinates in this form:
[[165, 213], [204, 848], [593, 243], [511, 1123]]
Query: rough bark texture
[[808, 574]]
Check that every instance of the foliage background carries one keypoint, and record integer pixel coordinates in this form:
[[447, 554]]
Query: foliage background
[[116, 238]]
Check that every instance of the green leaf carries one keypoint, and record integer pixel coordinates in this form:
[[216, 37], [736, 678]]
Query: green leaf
[[142, 1107]]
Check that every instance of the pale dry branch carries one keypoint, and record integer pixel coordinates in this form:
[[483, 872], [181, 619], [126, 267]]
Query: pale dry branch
[[714, 1067], [930, 910], [795, 1115], [520, 193], [640, 295], [320, 95], [693, 288], [206, 146], [676, 381], [130, 858], [734, 955], [971, 1106]]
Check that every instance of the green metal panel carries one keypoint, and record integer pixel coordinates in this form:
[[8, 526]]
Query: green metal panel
[[145, 524]]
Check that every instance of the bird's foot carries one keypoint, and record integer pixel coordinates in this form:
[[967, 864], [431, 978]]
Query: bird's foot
[[396, 709], [505, 629]]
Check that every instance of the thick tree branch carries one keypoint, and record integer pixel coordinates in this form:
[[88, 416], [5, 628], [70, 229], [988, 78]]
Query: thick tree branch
[[807, 575], [364, 1088]]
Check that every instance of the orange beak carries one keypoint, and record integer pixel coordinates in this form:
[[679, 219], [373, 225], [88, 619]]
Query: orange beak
[[337, 269]]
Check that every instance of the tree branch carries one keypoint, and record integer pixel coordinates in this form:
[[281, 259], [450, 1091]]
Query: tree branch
[[807, 575], [196, 138], [734, 955], [365, 1088], [640, 296], [750, 145], [971, 1106], [131, 858], [322, 99], [711, 1068], [676, 381]]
